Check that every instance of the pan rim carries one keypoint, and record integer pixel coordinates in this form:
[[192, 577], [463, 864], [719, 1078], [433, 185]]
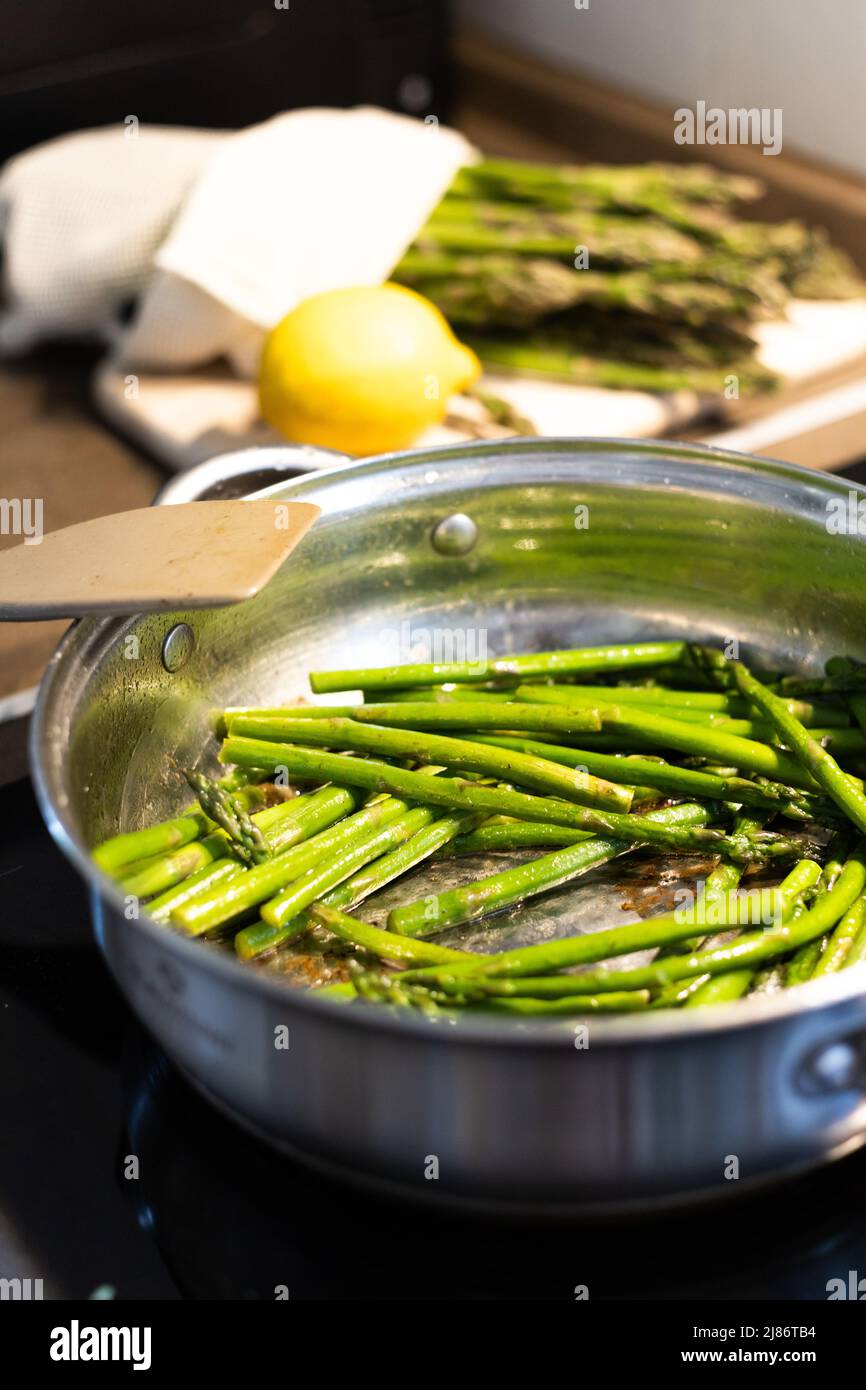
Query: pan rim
[[824, 996]]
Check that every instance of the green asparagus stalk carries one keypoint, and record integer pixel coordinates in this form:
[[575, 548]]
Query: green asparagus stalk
[[816, 761], [381, 988], [554, 355], [579, 1005], [118, 853], [857, 953], [622, 241], [385, 945], [527, 770], [509, 835], [721, 989], [579, 661], [285, 825], [851, 682], [218, 871], [629, 187], [420, 846], [675, 781], [844, 934], [227, 810], [462, 795], [844, 742], [707, 702], [227, 901], [163, 871], [283, 917], [747, 951], [565, 952], [515, 291], [715, 744], [463, 904]]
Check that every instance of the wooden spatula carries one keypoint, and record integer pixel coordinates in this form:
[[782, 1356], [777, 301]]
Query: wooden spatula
[[194, 555]]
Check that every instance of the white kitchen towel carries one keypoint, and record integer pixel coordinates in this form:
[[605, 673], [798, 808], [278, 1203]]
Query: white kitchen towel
[[81, 219], [312, 200]]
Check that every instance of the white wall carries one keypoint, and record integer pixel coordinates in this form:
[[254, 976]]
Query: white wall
[[806, 56]]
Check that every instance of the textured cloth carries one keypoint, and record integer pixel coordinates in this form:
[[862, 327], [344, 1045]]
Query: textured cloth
[[219, 235], [309, 201], [81, 219]]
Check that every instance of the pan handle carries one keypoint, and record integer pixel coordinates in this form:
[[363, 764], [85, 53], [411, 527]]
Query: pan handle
[[245, 472]]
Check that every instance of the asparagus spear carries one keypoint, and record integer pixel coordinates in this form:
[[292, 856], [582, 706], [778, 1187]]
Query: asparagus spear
[[381, 988], [579, 1004], [227, 810], [615, 240], [118, 853], [713, 743], [539, 774], [749, 950], [816, 761], [515, 834], [709, 702], [579, 661], [721, 989], [285, 825], [501, 890], [844, 742], [383, 944], [554, 355], [227, 901], [151, 876], [462, 795], [722, 910], [851, 682], [844, 934], [677, 781], [857, 953], [857, 705], [610, 185], [283, 917], [513, 291], [218, 871]]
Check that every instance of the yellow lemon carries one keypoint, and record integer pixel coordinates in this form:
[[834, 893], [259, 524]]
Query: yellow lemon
[[362, 370]]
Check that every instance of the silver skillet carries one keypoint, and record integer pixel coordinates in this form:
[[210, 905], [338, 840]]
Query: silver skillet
[[676, 541]]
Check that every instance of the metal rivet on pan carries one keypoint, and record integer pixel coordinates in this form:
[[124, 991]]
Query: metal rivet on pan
[[177, 647], [834, 1068], [454, 535]]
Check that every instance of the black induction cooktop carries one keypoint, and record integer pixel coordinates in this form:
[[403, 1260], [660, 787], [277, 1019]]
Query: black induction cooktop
[[118, 1181]]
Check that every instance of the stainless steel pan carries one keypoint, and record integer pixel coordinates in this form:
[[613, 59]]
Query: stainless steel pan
[[676, 541]]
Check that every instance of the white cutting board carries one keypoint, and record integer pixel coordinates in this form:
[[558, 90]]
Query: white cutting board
[[188, 417]]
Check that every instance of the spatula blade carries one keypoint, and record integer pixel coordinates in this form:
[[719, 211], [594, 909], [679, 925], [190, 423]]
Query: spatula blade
[[194, 555]]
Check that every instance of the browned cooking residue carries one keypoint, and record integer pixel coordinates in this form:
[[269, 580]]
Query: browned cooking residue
[[645, 889], [307, 969]]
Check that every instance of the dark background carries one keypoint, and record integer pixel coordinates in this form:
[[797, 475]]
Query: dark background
[[222, 64]]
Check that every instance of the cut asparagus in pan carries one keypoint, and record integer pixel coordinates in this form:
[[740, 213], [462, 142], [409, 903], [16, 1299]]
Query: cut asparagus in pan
[[447, 761]]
